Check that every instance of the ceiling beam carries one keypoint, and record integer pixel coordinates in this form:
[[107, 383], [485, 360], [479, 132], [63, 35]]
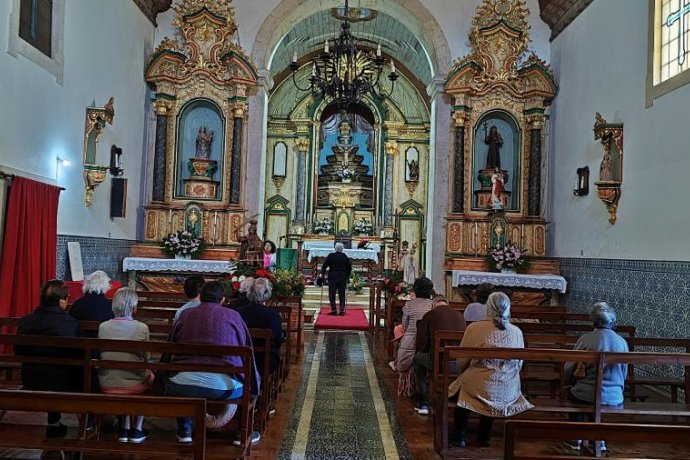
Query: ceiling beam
[[558, 14], [151, 8]]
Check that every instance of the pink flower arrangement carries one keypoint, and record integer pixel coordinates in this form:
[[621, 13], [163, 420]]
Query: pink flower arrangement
[[507, 257]]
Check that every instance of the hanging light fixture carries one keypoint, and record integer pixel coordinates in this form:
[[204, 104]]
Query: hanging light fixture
[[343, 73]]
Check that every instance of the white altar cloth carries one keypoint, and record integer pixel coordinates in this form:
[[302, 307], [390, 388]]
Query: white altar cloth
[[356, 254], [472, 278], [309, 245], [176, 265]]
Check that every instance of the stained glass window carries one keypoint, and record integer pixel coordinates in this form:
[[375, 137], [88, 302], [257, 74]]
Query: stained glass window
[[673, 39]]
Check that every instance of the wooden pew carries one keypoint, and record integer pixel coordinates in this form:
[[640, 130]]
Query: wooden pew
[[245, 417], [33, 436], [263, 336], [674, 383], [297, 318], [284, 368], [162, 295], [442, 404], [517, 431]]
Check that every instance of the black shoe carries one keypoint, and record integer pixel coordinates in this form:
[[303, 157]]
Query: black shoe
[[56, 431], [333, 313], [484, 442], [342, 313]]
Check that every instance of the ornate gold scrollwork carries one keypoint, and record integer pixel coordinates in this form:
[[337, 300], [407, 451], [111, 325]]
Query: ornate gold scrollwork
[[96, 119], [611, 168]]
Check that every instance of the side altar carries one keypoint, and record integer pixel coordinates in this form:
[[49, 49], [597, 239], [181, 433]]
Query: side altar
[[500, 95], [201, 81]]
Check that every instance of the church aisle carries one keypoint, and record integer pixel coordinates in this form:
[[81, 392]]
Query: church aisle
[[340, 410]]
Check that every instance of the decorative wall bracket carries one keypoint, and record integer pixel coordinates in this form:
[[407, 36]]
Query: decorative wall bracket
[[96, 119], [611, 168]]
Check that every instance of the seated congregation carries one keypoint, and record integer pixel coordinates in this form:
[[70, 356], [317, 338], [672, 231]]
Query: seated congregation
[[231, 358]]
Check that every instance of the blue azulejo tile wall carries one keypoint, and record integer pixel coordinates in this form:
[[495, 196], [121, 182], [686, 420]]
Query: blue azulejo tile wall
[[652, 295], [96, 254]]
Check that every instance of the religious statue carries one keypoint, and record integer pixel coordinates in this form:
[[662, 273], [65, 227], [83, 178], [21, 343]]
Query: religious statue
[[410, 266], [496, 189], [203, 143], [413, 170], [251, 247], [605, 168], [495, 141]]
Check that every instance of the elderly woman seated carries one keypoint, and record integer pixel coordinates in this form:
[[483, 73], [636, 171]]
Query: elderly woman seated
[[124, 381], [491, 388], [603, 338], [258, 316], [93, 305]]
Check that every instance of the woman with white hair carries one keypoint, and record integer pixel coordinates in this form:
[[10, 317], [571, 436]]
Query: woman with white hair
[[490, 388], [93, 305], [339, 269], [603, 338], [257, 315], [125, 381]]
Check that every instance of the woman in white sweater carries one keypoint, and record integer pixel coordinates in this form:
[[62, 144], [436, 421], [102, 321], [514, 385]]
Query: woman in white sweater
[[123, 381]]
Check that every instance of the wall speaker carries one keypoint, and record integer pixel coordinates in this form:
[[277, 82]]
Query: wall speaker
[[118, 197]]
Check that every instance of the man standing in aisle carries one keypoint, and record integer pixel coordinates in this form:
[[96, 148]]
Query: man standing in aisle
[[338, 276]]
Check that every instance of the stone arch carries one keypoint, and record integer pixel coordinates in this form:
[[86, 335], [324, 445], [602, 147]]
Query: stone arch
[[411, 13]]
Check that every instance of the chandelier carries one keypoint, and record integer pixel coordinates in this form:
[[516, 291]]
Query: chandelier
[[343, 74]]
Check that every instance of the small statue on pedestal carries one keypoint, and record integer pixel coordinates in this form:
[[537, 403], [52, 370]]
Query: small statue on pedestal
[[251, 247]]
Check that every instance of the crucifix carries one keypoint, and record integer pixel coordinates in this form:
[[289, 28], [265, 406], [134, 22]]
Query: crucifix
[[670, 20]]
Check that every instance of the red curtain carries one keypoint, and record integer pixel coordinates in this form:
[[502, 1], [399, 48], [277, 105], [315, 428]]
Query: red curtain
[[29, 250]]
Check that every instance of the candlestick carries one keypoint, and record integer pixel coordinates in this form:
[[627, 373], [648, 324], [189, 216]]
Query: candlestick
[[169, 216], [215, 226], [522, 236], [476, 237]]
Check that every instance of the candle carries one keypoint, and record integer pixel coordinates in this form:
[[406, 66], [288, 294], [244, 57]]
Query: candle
[[325, 47], [169, 215], [476, 239], [294, 57], [378, 51], [215, 226], [392, 66], [522, 235]]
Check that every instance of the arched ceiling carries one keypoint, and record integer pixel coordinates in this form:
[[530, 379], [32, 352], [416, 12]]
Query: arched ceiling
[[396, 40]]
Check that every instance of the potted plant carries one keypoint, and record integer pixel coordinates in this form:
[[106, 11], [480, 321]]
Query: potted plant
[[357, 283], [323, 226], [183, 245], [507, 259]]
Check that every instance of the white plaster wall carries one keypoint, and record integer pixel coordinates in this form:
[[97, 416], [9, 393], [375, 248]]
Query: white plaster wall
[[104, 51], [601, 64]]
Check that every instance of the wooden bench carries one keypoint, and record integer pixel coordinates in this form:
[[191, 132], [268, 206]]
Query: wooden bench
[[259, 337], [548, 405], [168, 296], [527, 431], [33, 436], [86, 346], [674, 383], [297, 318]]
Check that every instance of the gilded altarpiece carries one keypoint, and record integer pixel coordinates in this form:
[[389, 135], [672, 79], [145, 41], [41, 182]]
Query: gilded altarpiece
[[500, 93], [201, 82], [384, 145]]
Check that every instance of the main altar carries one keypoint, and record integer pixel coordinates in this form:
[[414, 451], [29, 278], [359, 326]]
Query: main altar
[[500, 93], [201, 82]]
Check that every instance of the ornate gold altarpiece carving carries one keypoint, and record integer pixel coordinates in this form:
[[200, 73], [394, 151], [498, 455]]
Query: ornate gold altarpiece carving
[[497, 81], [200, 81]]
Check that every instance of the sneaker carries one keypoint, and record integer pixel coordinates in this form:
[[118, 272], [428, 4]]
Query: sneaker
[[256, 437], [137, 436], [575, 444], [184, 436], [423, 409], [602, 445], [272, 412], [461, 442], [391, 364], [124, 436]]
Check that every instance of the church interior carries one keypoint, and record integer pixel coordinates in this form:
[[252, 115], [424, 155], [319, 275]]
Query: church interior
[[462, 142]]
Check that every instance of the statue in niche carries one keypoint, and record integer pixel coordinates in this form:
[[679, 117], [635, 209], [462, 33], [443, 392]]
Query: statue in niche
[[203, 143], [345, 145], [410, 266], [605, 168], [402, 254], [496, 189], [495, 141], [413, 170], [251, 247]]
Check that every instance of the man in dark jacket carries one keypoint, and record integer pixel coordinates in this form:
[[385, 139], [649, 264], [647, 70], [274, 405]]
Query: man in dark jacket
[[50, 318], [338, 276], [93, 305], [440, 317]]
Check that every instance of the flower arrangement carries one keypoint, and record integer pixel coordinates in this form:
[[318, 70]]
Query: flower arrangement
[[508, 257], [183, 244], [231, 284], [364, 226], [324, 225], [288, 282], [395, 285], [346, 174], [357, 283]]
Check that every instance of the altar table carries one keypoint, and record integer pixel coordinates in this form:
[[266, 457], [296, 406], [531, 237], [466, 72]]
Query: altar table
[[354, 254], [551, 284], [132, 265]]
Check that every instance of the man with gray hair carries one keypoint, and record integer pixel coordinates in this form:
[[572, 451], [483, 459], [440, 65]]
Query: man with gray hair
[[93, 305], [340, 267]]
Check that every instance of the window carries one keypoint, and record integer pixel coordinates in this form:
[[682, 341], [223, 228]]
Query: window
[[669, 59], [36, 31], [35, 24]]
